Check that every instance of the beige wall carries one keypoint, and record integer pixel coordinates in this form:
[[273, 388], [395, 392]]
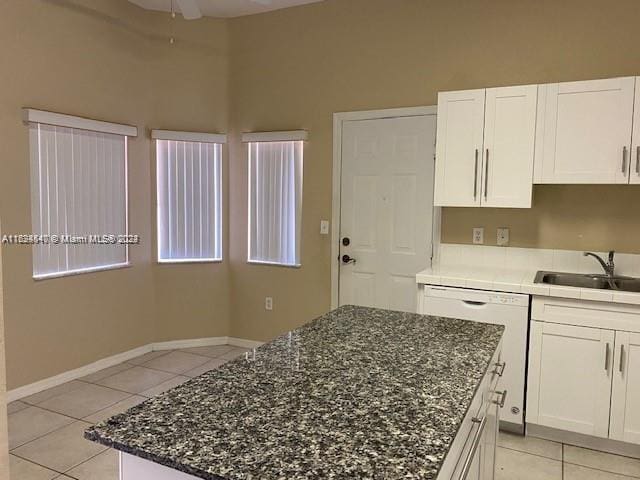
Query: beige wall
[[4, 434], [288, 69], [293, 68], [105, 59], [571, 217]]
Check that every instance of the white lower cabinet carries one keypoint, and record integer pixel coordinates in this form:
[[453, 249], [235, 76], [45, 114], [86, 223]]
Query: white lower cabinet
[[570, 377], [585, 378], [625, 405]]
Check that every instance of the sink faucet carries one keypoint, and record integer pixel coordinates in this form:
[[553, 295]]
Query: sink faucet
[[609, 266]]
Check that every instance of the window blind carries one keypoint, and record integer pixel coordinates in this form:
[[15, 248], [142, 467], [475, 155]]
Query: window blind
[[275, 202], [189, 195], [79, 195]]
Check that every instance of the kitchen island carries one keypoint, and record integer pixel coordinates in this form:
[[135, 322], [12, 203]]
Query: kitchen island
[[356, 393]]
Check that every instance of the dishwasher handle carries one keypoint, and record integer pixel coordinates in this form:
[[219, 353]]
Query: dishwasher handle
[[474, 303]]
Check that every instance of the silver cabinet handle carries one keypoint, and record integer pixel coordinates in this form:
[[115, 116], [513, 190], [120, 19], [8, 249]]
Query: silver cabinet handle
[[500, 368], [474, 447], [622, 358], [638, 160], [486, 174], [624, 159], [606, 357], [475, 176], [503, 398]]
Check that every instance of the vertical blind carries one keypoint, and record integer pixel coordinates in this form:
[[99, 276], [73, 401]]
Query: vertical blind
[[78, 190], [275, 202], [189, 199]]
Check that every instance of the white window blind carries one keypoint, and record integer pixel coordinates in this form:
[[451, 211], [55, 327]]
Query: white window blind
[[79, 194], [189, 195], [275, 202]]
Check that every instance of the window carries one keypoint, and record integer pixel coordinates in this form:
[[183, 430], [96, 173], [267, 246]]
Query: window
[[275, 197], [189, 196], [78, 193]]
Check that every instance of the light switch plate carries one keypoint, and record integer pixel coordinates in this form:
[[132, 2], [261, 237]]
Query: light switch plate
[[324, 227], [478, 235], [503, 237]]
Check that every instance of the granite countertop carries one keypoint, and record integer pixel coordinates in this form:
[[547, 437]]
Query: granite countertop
[[356, 393]]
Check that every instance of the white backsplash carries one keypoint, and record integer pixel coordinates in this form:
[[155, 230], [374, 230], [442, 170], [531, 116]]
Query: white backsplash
[[455, 255]]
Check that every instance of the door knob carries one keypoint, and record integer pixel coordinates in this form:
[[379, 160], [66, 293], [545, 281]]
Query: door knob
[[347, 259]]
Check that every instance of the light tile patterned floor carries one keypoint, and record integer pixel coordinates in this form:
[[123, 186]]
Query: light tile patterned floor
[[45, 430]]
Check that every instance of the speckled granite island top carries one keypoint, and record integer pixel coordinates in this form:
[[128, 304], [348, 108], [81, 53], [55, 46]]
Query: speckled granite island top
[[357, 393]]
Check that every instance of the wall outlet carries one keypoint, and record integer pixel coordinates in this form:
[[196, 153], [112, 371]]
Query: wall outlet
[[268, 303], [324, 227], [478, 235], [503, 237]]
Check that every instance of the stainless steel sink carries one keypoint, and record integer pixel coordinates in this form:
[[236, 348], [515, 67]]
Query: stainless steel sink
[[627, 284]]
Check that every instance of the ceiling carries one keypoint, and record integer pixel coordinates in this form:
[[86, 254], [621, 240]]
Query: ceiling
[[224, 8]]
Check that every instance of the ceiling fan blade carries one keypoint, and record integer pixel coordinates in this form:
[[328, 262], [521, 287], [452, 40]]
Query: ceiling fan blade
[[189, 9], [266, 3]]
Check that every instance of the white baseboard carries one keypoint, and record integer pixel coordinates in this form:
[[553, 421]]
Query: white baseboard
[[195, 342], [39, 386], [241, 342]]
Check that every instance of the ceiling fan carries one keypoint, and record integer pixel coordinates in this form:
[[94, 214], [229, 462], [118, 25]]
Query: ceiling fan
[[191, 10]]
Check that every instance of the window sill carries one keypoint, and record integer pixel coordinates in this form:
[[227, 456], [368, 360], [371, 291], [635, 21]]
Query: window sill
[[177, 261], [274, 264], [81, 271]]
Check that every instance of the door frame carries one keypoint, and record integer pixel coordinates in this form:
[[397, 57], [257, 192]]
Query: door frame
[[338, 122]]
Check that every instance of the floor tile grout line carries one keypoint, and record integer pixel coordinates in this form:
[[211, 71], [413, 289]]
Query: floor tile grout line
[[529, 453], [48, 433], [602, 451], [600, 469], [83, 418], [85, 461], [53, 469], [36, 463]]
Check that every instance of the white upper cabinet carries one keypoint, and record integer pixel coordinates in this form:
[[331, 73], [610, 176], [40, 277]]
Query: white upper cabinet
[[509, 137], [459, 148], [485, 147], [584, 131], [634, 176]]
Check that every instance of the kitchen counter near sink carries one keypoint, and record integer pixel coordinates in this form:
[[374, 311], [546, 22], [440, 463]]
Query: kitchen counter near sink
[[516, 280], [356, 393]]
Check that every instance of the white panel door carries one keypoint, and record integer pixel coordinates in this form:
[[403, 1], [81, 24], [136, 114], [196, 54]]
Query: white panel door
[[509, 136], [634, 176], [459, 148], [386, 210], [587, 131], [625, 402], [570, 371]]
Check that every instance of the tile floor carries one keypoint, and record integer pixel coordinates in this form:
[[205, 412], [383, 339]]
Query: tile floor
[[46, 442]]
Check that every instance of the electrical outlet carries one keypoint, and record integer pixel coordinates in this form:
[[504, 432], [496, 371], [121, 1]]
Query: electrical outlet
[[503, 237], [324, 227], [478, 235], [268, 303]]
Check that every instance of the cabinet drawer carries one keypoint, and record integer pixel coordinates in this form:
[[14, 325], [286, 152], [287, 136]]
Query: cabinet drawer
[[462, 448], [611, 316]]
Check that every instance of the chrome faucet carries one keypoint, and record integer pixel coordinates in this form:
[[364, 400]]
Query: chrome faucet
[[608, 267]]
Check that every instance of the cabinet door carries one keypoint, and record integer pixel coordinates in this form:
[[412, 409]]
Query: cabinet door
[[587, 131], [634, 176], [569, 383], [459, 148], [509, 135], [625, 402]]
